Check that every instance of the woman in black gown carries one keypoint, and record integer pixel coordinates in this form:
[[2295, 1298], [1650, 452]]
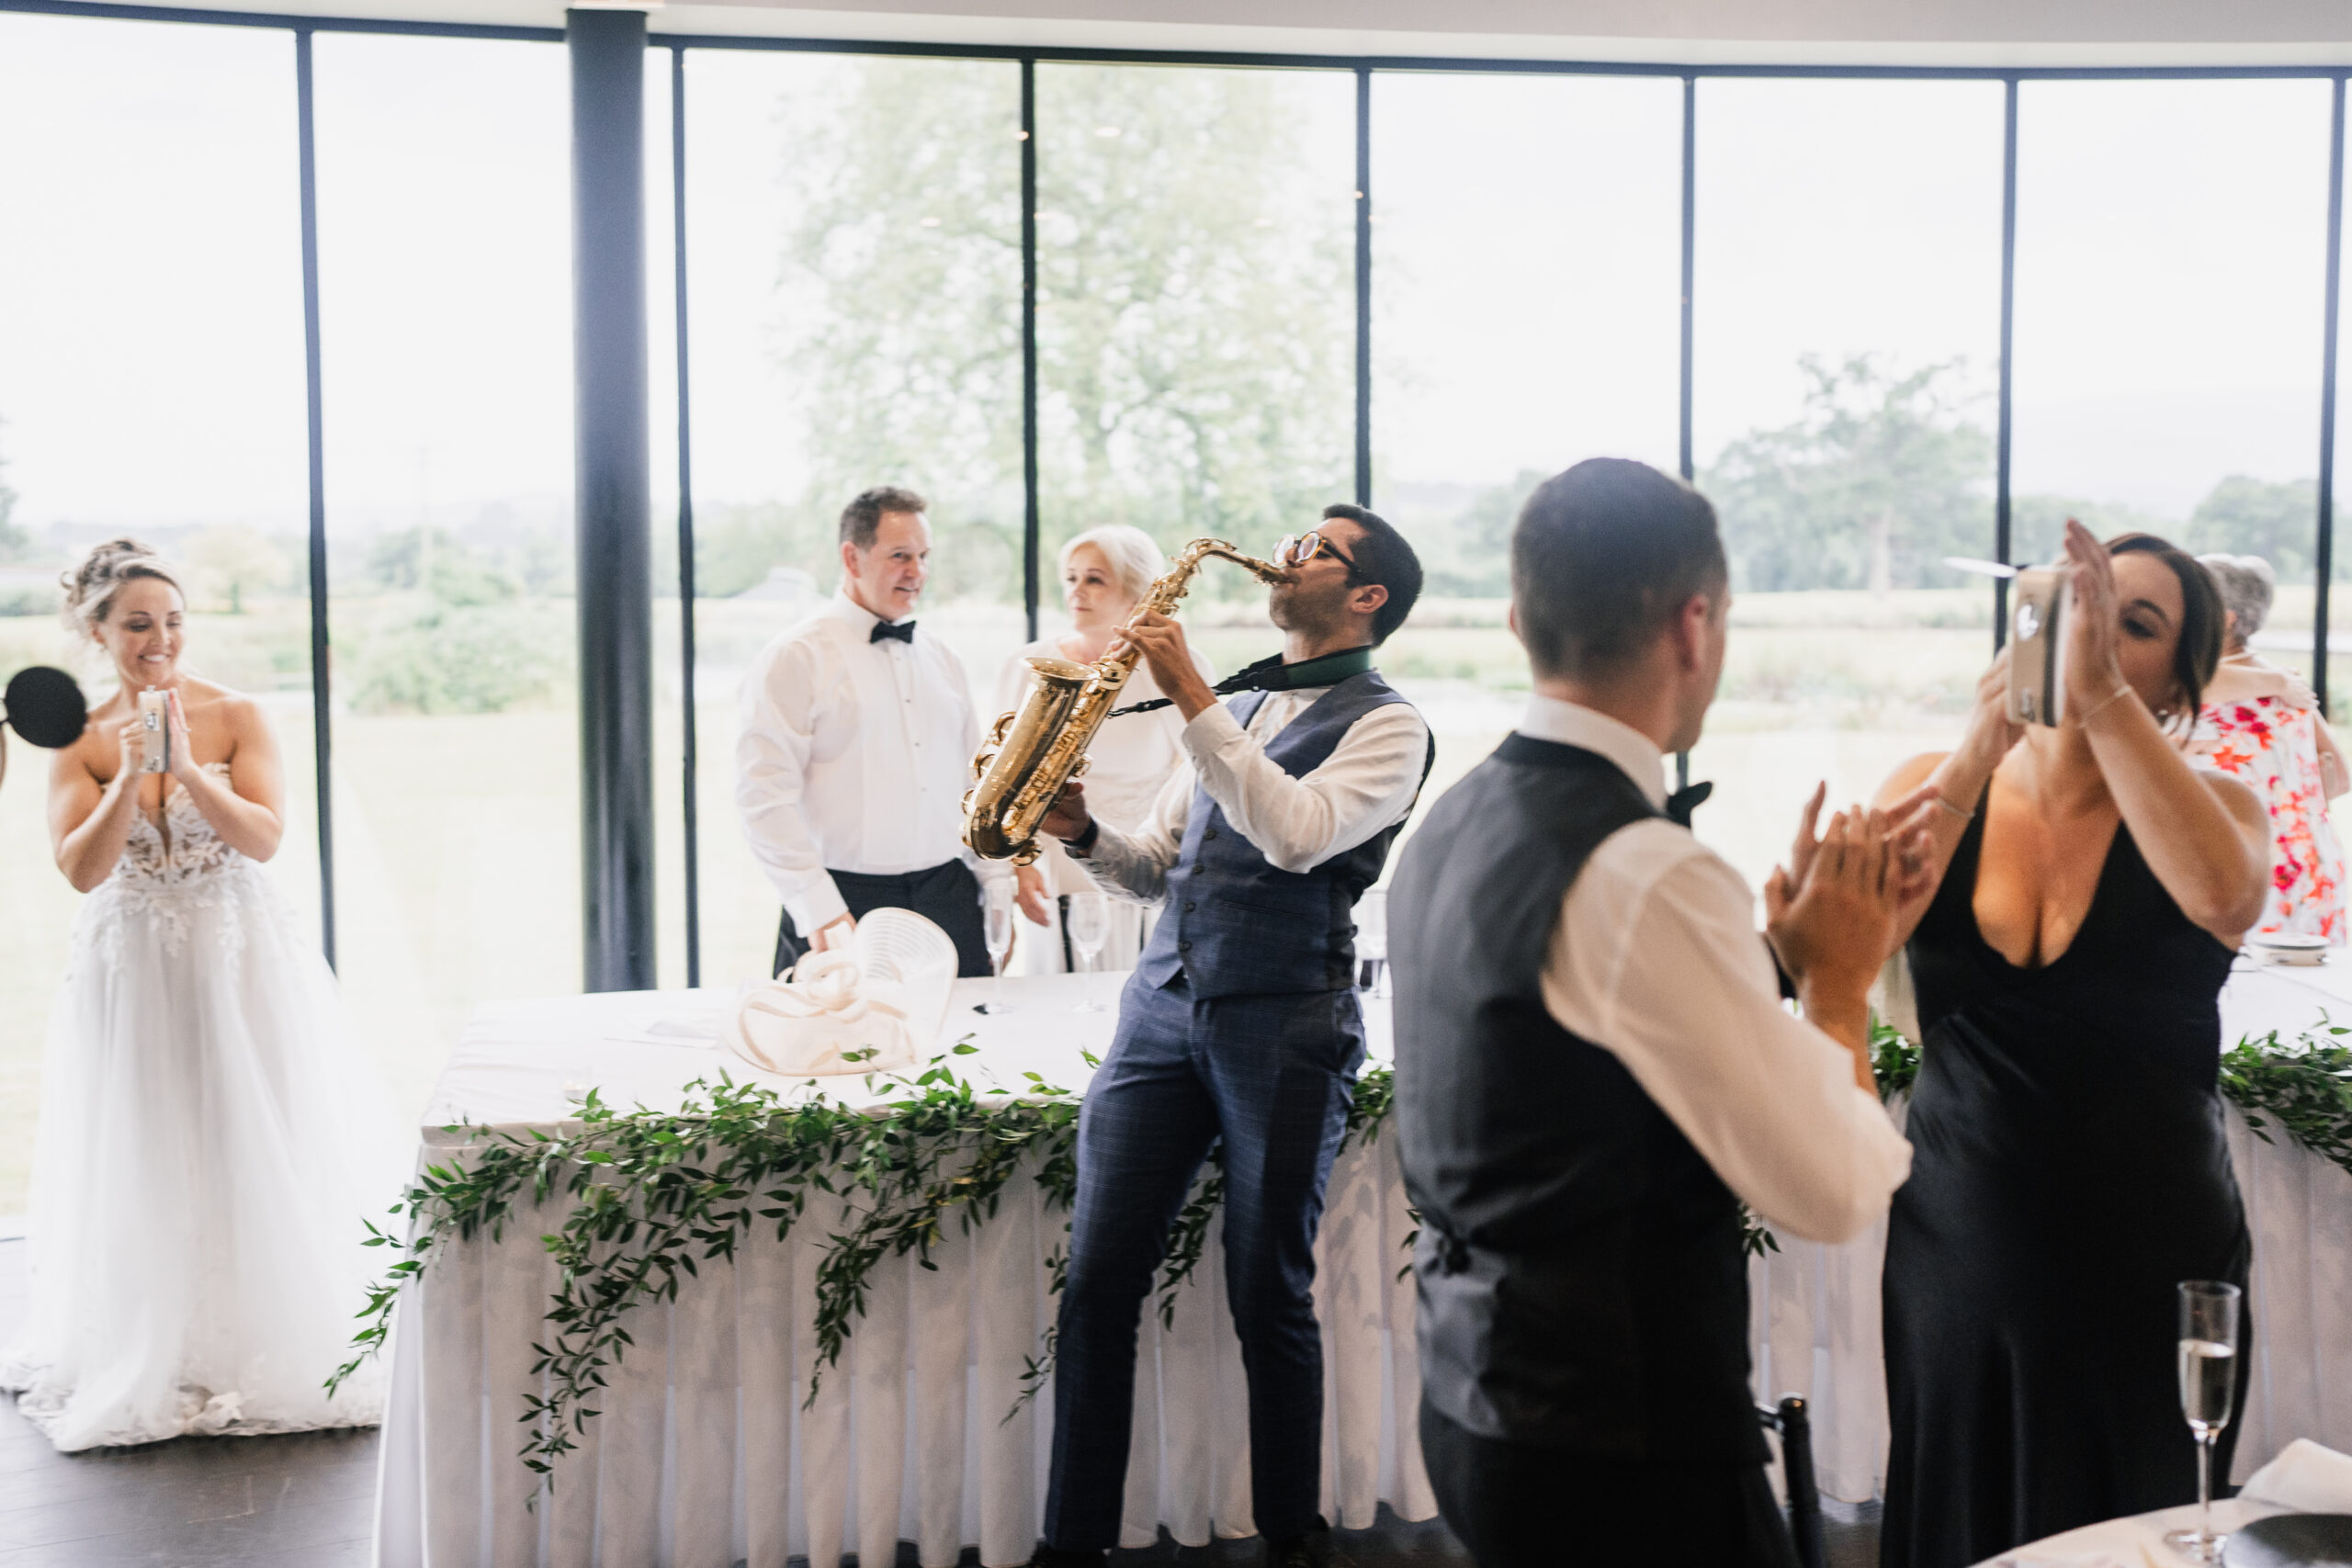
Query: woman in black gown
[[2069, 1167]]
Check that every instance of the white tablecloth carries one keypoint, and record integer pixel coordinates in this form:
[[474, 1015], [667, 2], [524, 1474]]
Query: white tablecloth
[[703, 1455], [1816, 1309]]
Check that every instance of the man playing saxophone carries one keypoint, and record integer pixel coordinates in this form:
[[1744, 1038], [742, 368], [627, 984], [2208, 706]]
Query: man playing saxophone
[[1240, 1021]]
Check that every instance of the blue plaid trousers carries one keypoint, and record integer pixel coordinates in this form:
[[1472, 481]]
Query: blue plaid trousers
[[1271, 1075]]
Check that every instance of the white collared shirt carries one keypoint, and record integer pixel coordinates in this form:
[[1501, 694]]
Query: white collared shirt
[[852, 755], [1368, 783], [1656, 960]]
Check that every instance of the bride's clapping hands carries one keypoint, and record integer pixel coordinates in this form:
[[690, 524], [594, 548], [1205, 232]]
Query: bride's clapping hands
[[181, 753]]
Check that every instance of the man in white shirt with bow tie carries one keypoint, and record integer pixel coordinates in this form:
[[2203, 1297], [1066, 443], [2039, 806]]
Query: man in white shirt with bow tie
[[855, 748]]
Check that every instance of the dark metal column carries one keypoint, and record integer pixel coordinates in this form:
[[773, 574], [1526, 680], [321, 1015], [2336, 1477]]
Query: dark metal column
[[1689, 252], [613, 497], [1690, 278], [1363, 286], [321, 672], [1030, 532], [2001, 540], [2324, 563], [693, 849]]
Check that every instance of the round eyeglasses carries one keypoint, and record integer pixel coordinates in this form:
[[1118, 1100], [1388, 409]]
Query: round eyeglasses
[[1297, 549]]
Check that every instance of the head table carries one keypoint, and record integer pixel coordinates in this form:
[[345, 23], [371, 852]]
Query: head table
[[705, 1454]]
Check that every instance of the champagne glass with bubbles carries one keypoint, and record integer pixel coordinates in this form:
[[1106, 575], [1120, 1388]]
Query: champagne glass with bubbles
[[2209, 1386], [996, 928], [1089, 922]]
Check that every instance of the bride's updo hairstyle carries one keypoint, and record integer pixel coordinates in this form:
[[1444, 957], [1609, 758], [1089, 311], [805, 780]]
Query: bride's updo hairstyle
[[90, 588], [2198, 652]]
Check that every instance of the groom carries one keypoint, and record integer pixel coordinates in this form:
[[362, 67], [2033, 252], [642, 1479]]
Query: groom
[[1594, 1071]]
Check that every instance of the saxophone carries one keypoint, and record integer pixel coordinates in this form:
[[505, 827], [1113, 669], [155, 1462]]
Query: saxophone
[[1033, 750]]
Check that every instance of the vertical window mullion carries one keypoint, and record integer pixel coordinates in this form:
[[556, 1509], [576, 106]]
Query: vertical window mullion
[[322, 717]]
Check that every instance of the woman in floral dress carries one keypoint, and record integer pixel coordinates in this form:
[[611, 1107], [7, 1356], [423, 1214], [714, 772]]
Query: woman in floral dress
[[2262, 724]]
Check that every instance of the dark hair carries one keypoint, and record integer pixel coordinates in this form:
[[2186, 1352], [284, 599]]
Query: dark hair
[[1382, 556], [1603, 557], [2198, 652], [861, 517]]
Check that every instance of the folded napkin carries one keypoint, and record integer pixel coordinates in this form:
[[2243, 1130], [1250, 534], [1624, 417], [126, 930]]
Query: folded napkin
[[827, 1016], [871, 1008], [2306, 1478]]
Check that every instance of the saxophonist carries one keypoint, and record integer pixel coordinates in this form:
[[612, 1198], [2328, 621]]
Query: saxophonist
[[1240, 1020]]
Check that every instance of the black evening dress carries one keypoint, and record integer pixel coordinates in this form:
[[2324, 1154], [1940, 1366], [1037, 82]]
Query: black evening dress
[[2069, 1169]]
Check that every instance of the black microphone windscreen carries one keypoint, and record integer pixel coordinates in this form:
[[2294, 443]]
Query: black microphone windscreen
[[46, 707]]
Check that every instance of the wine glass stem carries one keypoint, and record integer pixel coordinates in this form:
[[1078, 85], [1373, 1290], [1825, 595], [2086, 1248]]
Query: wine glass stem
[[2205, 1489]]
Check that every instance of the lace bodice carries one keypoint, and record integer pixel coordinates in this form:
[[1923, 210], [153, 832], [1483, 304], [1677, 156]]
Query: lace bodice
[[193, 851]]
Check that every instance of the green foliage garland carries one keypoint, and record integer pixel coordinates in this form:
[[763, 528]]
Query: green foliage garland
[[2305, 1089], [655, 1194]]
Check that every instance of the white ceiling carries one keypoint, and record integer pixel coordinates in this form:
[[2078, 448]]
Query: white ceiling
[[1945, 32]]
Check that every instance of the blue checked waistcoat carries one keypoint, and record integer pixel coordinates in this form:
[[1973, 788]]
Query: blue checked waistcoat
[[1233, 923]]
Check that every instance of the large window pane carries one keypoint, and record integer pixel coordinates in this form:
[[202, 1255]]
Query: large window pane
[[2171, 248], [855, 260], [1196, 309], [1847, 322], [1527, 267], [1527, 277], [444, 258], [151, 384]]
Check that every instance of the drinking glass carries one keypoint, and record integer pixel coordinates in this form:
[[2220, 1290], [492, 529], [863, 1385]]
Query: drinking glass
[[996, 910], [1372, 940], [2209, 1386], [1089, 922]]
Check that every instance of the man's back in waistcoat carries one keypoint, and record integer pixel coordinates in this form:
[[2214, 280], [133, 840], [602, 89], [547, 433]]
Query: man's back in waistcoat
[[1582, 1281]]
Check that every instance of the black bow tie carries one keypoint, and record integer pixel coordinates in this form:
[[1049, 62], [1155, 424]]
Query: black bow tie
[[1683, 802], [903, 630]]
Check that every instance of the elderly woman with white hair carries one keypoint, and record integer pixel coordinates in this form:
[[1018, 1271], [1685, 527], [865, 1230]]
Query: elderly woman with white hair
[[1105, 572], [2263, 724]]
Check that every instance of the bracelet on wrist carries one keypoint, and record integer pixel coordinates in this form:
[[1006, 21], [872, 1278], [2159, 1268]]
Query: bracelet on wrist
[[1084, 843], [1956, 811]]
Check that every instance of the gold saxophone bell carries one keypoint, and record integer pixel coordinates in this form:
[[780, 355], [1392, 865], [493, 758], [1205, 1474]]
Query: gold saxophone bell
[[1033, 750]]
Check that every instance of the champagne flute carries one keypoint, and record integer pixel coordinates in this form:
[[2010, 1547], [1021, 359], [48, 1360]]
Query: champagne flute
[[2209, 1379], [1089, 924], [1372, 940], [996, 910]]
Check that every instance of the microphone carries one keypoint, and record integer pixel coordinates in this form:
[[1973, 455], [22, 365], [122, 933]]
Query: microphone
[[45, 706]]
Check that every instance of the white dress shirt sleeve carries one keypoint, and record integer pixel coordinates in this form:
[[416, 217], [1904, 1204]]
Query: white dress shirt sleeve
[[1137, 863], [1368, 783], [1656, 959], [778, 708]]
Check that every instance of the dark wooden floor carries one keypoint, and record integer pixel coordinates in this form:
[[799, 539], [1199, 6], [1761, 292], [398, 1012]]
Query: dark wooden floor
[[306, 1502]]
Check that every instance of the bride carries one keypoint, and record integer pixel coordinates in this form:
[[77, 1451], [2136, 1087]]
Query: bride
[[207, 1149]]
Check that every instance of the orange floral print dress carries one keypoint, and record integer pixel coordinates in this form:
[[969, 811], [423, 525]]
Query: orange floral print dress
[[2261, 724]]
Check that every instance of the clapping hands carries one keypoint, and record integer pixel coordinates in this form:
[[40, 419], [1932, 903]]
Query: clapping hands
[[1834, 914]]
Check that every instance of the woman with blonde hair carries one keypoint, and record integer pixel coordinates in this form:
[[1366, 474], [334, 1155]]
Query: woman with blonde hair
[[209, 1148], [1104, 573], [2261, 724]]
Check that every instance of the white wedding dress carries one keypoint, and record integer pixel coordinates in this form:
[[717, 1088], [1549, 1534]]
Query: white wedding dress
[[209, 1146]]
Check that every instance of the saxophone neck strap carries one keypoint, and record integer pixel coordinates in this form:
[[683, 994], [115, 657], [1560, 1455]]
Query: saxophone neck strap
[[1270, 674]]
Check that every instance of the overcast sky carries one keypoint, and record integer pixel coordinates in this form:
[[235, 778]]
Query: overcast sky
[[2169, 270]]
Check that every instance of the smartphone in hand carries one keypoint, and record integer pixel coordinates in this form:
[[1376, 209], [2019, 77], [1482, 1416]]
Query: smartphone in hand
[[154, 732], [2038, 648]]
